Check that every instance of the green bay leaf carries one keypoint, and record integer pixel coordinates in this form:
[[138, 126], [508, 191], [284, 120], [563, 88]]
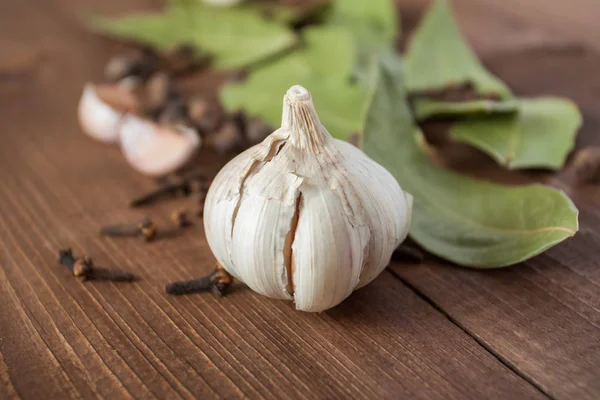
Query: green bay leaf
[[324, 66], [540, 135], [235, 36], [425, 108], [295, 14], [381, 15], [374, 26], [439, 57], [468, 221]]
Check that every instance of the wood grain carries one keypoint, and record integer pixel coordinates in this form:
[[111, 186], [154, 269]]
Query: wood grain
[[61, 338], [575, 19], [541, 317], [64, 339]]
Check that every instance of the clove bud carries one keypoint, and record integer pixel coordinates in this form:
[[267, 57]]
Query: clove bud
[[85, 269], [157, 91], [135, 63], [185, 185], [180, 218], [146, 229], [185, 58], [218, 282], [226, 139], [203, 115]]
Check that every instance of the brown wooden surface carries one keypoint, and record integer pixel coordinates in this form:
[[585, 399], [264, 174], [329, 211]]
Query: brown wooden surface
[[419, 331]]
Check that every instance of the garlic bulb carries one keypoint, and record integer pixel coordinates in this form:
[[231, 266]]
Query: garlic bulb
[[303, 216]]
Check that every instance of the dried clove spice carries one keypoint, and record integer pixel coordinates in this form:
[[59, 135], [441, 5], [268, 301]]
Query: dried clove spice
[[586, 165], [85, 269], [218, 282], [181, 218], [179, 185], [146, 229], [137, 63], [204, 115], [173, 113], [226, 139], [157, 91], [185, 58]]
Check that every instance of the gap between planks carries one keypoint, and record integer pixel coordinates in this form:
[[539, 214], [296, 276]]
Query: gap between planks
[[480, 342]]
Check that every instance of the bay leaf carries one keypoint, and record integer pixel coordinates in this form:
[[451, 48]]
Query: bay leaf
[[380, 15], [296, 14], [374, 26], [438, 57], [424, 108], [468, 221], [235, 36], [324, 66], [540, 135]]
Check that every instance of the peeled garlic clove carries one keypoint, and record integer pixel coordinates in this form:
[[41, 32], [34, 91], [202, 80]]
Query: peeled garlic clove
[[304, 216], [156, 150], [101, 109]]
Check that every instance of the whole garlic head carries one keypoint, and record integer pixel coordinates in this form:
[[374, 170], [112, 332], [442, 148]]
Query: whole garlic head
[[303, 216]]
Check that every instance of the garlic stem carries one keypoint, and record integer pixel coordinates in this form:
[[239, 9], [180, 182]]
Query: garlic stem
[[302, 121]]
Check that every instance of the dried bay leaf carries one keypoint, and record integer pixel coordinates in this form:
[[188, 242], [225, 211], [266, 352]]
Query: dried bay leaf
[[296, 14], [540, 135], [468, 221], [438, 57], [380, 15], [235, 36], [374, 26], [424, 108], [324, 66], [354, 34]]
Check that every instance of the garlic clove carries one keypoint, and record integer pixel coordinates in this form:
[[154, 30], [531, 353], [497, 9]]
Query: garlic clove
[[390, 208], [327, 250], [223, 202], [101, 109], [156, 150], [263, 229]]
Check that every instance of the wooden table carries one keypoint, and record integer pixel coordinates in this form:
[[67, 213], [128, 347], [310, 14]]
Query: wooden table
[[419, 331]]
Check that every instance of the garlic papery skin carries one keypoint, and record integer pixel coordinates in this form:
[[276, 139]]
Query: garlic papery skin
[[156, 150], [101, 109], [303, 216]]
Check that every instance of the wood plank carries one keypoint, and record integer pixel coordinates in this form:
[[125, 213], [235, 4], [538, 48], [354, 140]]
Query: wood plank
[[488, 30], [529, 21], [61, 338], [575, 19], [541, 317]]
